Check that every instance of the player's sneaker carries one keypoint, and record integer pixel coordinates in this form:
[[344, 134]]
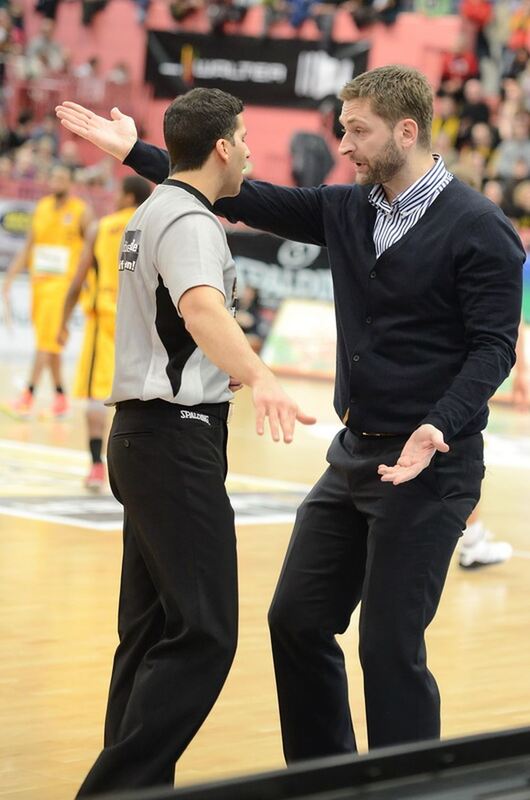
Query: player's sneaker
[[96, 478], [23, 405], [484, 552], [60, 406]]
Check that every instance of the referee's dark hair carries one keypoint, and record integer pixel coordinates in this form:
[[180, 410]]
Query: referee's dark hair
[[194, 122]]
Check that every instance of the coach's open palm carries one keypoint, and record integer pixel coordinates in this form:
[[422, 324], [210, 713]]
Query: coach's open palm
[[115, 136], [415, 456]]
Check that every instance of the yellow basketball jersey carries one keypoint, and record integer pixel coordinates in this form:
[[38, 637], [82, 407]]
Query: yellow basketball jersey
[[106, 251], [57, 238]]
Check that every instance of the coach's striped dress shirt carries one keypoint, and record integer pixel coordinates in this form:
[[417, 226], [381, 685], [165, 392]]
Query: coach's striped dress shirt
[[394, 219]]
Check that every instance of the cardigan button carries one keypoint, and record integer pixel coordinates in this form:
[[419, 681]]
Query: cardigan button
[[373, 273], [356, 357]]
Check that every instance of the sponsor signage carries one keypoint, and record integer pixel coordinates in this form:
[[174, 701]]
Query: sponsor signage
[[287, 72], [280, 269], [15, 220]]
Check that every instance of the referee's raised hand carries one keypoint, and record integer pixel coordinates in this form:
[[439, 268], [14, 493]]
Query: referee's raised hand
[[115, 136]]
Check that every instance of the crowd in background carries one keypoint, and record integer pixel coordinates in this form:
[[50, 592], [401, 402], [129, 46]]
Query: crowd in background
[[482, 109]]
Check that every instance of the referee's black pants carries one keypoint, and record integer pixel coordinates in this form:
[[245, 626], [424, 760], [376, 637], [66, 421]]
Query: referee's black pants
[[359, 540], [177, 618]]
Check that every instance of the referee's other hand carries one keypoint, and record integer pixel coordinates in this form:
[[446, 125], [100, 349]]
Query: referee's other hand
[[273, 403]]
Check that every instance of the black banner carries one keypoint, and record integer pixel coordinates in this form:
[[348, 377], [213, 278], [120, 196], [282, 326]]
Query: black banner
[[280, 72], [279, 268]]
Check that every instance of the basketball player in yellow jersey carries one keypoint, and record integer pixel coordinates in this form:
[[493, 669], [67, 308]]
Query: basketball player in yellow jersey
[[51, 253], [98, 268]]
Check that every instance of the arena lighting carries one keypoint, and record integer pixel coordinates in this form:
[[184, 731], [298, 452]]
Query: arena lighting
[[490, 766]]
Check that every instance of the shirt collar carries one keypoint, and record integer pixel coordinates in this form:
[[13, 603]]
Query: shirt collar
[[415, 195], [191, 189]]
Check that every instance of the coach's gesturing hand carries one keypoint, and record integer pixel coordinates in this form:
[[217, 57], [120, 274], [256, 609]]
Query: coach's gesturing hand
[[415, 456]]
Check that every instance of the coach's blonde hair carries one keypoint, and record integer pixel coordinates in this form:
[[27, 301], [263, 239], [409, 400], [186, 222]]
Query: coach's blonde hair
[[396, 92]]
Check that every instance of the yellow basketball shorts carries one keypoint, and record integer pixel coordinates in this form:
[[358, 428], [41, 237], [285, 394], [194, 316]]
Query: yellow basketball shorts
[[95, 368], [47, 301]]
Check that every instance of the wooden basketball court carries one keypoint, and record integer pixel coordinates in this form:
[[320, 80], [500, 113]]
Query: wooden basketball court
[[59, 569]]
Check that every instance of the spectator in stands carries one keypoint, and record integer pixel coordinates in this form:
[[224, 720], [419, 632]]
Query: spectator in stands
[[119, 87], [512, 157], [494, 191], [323, 13], [119, 75], [24, 163], [142, 7], [8, 139], [520, 26], [22, 130], [516, 64], [458, 66], [298, 12], [478, 15], [446, 118], [274, 11], [367, 12], [16, 12], [183, 9], [472, 160], [5, 168], [43, 54], [48, 8], [47, 128], [90, 82], [89, 9], [524, 84], [99, 174], [5, 42], [219, 12], [44, 152], [69, 155], [442, 145], [474, 109], [483, 138], [512, 102]]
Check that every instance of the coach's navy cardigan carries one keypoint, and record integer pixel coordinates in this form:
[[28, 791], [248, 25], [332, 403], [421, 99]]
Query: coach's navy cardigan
[[427, 331]]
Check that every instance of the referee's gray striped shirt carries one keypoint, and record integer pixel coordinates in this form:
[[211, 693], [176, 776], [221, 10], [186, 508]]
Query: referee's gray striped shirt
[[394, 219]]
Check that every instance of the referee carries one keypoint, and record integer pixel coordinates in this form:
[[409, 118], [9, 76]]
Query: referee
[[177, 343]]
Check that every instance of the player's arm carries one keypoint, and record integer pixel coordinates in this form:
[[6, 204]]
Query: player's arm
[[86, 261], [221, 339], [17, 265], [87, 218]]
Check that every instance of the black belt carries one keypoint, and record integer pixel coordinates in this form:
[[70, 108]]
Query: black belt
[[219, 410], [373, 435]]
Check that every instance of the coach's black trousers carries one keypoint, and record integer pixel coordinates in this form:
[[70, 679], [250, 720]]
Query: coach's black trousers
[[388, 547], [177, 616]]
